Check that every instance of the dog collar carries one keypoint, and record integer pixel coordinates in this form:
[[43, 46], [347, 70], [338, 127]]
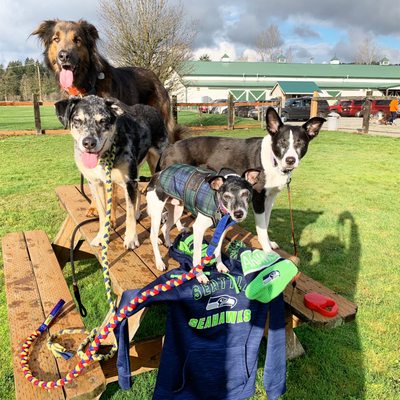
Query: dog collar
[[74, 91]]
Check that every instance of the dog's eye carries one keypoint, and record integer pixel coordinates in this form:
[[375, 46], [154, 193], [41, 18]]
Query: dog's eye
[[56, 39], [298, 142], [245, 194], [103, 121], [227, 196], [77, 40], [77, 121]]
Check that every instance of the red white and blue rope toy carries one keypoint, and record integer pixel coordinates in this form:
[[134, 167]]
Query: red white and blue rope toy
[[95, 339]]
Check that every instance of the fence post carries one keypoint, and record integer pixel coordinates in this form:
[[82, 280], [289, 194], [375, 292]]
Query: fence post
[[231, 113], [314, 105], [367, 112], [174, 108], [36, 112]]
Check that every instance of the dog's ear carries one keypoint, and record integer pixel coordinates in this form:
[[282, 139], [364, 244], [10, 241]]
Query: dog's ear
[[116, 107], [313, 126], [251, 176], [64, 110], [45, 31], [216, 182], [89, 32], [273, 121]]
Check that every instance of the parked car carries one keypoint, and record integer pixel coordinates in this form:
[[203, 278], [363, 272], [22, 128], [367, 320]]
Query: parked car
[[218, 109], [348, 108], [378, 107], [203, 109], [299, 109], [254, 113], [243, 111]]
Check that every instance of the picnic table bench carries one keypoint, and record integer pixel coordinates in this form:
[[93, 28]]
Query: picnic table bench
[[35, 282]]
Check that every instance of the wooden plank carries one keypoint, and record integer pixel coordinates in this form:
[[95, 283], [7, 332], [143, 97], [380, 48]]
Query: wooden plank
[[125, 265], [305, 284], [25, 314], [53, 287], [62, 242], [144, 356]]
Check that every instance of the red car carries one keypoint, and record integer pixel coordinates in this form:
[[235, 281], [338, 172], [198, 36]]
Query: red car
[[348, 108], [380, 105]]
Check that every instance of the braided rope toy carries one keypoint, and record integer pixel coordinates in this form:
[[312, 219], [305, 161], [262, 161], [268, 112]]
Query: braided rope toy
[[95, 339], [89, 355]]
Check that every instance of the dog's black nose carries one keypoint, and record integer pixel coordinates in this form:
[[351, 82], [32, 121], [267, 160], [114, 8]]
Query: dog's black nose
[[238, 214], [290, 160], [89, 142], [63, 56]]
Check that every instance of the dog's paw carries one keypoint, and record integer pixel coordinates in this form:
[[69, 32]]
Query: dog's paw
[[97, 240], [184, 229], [92, 212], [222, 268], [202, 278], [160, 265], [113, 222], [131, 241], [274, 245]]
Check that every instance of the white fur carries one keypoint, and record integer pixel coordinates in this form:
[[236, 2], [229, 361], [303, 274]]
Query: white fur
[[96, 178], [275, 181]]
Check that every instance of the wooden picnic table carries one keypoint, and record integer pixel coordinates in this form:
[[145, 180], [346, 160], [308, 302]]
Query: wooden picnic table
[[33, 266], [132, 269]]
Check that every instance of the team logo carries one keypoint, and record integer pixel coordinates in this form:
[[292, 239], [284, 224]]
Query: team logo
[[271, 276], [221, 301]]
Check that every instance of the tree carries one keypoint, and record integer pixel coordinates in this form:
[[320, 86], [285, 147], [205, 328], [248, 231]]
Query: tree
[[367, 52], [269, 43], [204, 57], [148, 33]]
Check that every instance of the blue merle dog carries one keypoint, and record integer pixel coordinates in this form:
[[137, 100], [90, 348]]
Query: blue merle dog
[[136, 132]]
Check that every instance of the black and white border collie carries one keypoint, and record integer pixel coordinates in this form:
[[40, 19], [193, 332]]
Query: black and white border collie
[[276, 155]]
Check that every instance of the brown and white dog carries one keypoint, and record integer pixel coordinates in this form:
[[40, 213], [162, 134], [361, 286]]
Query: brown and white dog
[[70, 52]]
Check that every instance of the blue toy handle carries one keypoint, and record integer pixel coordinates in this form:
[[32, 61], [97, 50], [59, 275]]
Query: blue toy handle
[[223, 224], [53, 313]]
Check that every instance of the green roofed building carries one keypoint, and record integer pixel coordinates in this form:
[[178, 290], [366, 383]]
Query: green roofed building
[[254, 81]]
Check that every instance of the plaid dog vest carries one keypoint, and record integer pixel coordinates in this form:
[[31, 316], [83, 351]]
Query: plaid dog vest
[[187, 184]]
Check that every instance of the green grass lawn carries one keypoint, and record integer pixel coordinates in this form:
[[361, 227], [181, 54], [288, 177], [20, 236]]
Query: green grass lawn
[[22, 118], [347, 223]]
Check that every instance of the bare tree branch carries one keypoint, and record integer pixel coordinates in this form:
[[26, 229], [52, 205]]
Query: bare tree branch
[[367, 52], [148, 33], [269, 43]]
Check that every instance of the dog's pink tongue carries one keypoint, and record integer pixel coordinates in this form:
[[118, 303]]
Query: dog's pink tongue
[[66, 78], [90, 159]]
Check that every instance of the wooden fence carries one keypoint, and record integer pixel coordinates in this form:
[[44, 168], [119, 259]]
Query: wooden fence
[[230, 104]]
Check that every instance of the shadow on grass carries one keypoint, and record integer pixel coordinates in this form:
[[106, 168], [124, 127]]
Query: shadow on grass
[[333, 366]]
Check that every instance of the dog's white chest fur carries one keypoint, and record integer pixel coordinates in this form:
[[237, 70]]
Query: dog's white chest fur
[[274, 178], [98, 174]]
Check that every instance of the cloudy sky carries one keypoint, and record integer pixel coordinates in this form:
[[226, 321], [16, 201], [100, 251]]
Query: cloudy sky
[[317, 29]]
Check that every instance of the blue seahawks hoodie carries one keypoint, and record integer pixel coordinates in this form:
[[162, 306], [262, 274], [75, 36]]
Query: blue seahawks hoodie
[[212, 338]]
